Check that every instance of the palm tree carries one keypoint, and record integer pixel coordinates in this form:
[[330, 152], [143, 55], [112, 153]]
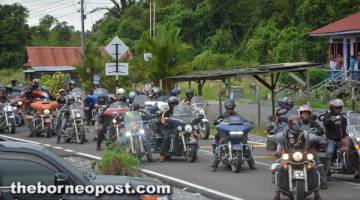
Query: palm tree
[[119, 7], [170, 55]]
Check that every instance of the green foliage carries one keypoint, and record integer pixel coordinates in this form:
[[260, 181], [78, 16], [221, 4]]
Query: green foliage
[[6, 75], [51, 32], [115, 160], [13, 35], [169, 54], [55, 82]]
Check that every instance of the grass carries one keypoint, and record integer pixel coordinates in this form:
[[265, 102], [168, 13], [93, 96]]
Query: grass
[[6, 75]]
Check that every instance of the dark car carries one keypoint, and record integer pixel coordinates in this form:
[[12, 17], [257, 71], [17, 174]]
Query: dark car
[[30, 163]]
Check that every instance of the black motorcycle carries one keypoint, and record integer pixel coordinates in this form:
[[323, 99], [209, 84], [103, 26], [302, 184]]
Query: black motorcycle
[[74, 129], [7, 118], [185, 141], [296, 172]]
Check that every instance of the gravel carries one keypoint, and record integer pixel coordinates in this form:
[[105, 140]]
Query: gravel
[[178, 193]]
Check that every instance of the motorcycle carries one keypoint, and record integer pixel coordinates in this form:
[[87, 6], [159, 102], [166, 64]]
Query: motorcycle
[[89, 103], [233, 150], [114, 122], [200, 107], [42, 122], [296, 173], [185, 141], [347, 160], [7, 118], [79, 95], [135, 135], [74, 128]]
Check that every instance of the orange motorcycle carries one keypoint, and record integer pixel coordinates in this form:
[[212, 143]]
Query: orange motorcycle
[[42, 121]]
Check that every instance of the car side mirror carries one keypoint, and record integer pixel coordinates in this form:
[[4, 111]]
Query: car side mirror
[[61, 178]]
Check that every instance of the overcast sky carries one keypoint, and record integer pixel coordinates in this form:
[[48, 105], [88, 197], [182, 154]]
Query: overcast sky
[[63, 10]]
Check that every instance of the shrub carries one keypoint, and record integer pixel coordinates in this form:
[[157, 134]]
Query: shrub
[[115, 160]]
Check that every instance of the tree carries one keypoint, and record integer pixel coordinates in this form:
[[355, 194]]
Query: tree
[[13, 35], [169, 54]]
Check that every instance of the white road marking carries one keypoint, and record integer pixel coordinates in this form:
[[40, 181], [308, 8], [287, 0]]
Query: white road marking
[[69, 150], [56, 147]]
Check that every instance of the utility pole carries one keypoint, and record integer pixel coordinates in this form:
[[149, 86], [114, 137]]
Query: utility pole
[[82, 25], [152, 19]]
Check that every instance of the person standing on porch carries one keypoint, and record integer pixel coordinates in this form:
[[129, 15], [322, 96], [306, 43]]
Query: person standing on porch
[[339, 62], [352, 63]]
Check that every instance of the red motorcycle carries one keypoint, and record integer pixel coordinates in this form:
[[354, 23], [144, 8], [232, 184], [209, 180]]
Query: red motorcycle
[[42, 122]]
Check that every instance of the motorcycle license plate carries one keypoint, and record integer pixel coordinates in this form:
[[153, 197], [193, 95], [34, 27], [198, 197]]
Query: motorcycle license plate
[[298, 174]]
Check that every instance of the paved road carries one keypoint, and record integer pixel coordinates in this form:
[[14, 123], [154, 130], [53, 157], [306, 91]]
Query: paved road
[[248, 184]]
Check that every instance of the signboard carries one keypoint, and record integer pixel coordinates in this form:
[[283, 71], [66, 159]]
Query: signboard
[[110, 69], [120, 45]]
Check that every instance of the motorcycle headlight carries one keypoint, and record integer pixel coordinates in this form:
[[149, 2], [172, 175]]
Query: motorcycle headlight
[[188, 128], [127, 133], [77, 115], [179, 128], [19, 103], [297, 156], [114, 121], [46, 111], [310, 156], [196, 127], [142, 131], [285, 156], [201, 112], [236, 133], [357, 139]]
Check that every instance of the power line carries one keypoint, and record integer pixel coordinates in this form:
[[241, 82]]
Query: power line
[[51, 6], [57, 8]]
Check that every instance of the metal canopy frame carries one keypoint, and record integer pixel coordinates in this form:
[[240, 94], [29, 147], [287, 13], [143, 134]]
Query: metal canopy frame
[[273, 69]]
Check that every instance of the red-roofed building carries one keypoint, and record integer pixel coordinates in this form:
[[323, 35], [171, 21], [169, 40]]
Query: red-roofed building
[[344, 37], [48, 60]]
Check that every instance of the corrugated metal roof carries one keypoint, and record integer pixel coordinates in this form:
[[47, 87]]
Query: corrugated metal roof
[[347, 25], [57, 56]]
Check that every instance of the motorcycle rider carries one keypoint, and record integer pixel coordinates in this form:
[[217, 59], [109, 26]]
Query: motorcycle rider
[[167, 130], [292, 139], [335, 125], [112, 98], [189, 95], [64, 114], [131, 98], [230, 111], [281, 114], [61, 99], [175, 92], [156, 92], [306, 124], [72, 85], [3, 97], [100, 120]]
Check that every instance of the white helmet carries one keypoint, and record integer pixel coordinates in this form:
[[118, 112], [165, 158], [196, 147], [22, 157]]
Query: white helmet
[[121, 91]]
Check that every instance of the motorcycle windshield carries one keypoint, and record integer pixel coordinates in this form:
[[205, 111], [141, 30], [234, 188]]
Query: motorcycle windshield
[[198, 102], [141, 99], [235, 119], [76, 111], [118, 104], [100, 92], [354, 124], [133, 123], [159, 104], [77, 92], [184, 113]]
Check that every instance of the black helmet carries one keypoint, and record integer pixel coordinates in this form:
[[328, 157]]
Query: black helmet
[[189, 92], [122, 98], [229, 104], [70, 99], [285, 102], [173, 101]]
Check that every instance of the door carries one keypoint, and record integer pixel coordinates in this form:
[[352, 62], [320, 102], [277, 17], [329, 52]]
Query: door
[[26, 170]]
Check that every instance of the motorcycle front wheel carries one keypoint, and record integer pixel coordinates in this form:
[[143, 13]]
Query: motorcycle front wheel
[[12, 127], [191, 153], [48, 131], [137, 148], [237, 162], [204, 130], [299, 192], [80, 137]]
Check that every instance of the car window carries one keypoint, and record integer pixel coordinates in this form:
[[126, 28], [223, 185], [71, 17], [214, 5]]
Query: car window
[[26, 172]]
